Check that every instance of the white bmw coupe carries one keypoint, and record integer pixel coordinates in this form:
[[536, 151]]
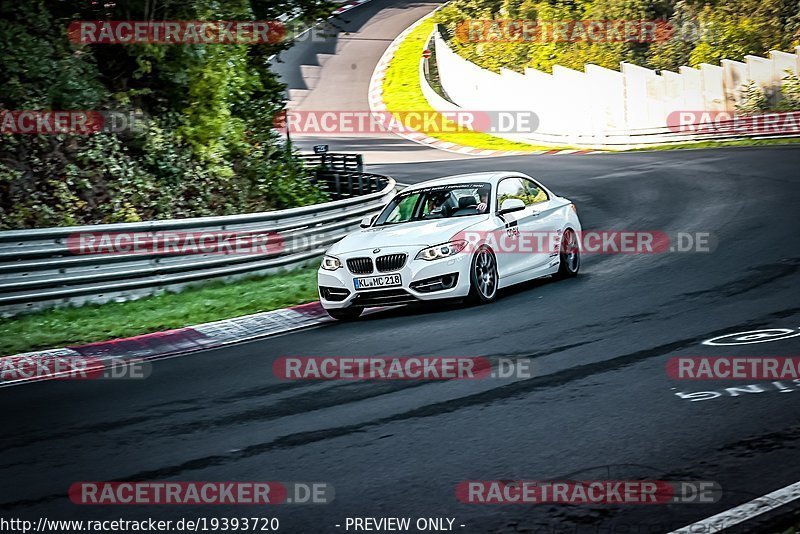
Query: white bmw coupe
[[461, 236]]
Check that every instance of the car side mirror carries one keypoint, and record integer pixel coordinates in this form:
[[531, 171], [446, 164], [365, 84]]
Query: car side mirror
[[511, 204], [366, 222]]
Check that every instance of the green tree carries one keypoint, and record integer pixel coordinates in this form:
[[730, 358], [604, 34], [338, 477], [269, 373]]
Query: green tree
[[205, 145], [705, 31]]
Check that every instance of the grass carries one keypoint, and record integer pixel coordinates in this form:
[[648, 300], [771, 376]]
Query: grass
[[60, 327], [402, 93]]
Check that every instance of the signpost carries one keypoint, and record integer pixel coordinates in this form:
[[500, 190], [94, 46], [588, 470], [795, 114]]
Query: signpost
[[427, 55]]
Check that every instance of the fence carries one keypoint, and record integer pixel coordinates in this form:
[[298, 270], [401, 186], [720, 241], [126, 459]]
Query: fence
[[335, 162], [45, 267]]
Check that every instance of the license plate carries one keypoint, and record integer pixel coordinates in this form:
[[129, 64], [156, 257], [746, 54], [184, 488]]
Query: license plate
[[376, 282]]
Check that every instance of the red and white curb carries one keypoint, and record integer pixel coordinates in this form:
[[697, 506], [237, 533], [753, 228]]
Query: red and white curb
[[378, 107], [179, 341], [745, 512], [348, 6]]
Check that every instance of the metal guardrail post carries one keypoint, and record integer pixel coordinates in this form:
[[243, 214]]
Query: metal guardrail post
[[338, 187]]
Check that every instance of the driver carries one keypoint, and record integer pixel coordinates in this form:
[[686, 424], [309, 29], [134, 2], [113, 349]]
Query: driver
[[436, 203]]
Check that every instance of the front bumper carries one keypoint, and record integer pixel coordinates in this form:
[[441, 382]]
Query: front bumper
[[333, 284]]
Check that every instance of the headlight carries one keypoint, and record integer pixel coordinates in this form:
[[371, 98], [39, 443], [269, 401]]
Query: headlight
[[441, 251], [329, 263]]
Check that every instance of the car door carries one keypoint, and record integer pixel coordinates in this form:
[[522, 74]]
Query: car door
[[529, 232], [549, 221]]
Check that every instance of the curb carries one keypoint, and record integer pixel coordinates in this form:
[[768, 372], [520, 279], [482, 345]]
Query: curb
[[378, 106], [746, 512], [349, 6], [158, 345]]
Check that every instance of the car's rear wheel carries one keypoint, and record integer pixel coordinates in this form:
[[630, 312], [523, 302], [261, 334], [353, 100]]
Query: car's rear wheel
[[483, 276], [346, 314], [569, 255]]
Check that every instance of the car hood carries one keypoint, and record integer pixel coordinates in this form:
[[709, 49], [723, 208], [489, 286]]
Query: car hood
[[417, 233]]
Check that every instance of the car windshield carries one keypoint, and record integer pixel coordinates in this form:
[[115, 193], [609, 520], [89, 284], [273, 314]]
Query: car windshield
[[437, 202]]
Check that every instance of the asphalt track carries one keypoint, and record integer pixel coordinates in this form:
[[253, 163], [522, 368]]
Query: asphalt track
[[599, 406], [331, 71]]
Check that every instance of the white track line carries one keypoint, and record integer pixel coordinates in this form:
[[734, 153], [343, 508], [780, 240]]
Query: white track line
[[744, 512]]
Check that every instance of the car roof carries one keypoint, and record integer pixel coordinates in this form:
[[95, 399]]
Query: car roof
[[492, 177]]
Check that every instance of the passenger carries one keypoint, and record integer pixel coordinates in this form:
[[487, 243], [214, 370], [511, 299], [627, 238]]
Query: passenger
[[483, 195]]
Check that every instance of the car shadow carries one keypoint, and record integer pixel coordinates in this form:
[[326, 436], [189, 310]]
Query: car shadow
[[446, 306]]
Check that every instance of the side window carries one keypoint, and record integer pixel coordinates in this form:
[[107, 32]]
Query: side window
[[510, 188], [534, 193]]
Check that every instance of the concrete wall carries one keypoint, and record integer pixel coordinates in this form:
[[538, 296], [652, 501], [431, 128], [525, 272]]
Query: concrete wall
[[597, 103]]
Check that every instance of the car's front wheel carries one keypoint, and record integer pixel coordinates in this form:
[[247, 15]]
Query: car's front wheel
[[483, 276], [346, 314], [569, 255]]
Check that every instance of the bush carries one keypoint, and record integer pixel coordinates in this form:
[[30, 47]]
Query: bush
[[754, 100], [205, 145], [705, 31], [790, 94]]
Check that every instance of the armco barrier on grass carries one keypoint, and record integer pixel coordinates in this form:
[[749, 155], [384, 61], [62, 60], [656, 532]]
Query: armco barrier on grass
[[40, 268]]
